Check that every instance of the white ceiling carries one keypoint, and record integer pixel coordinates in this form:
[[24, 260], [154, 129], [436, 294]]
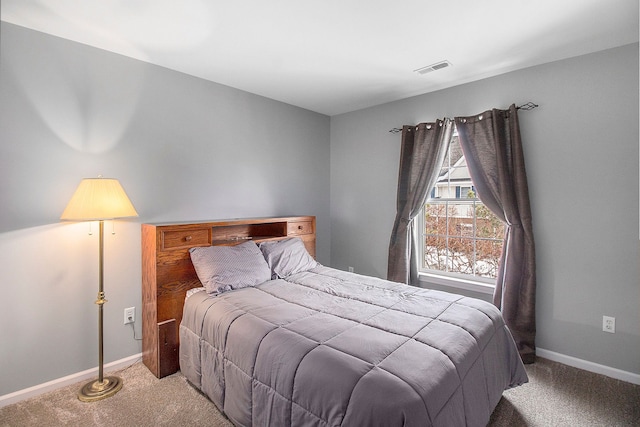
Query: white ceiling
[[336, 56]]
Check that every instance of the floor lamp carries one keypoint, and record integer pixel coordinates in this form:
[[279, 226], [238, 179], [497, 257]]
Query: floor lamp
[[98, 199]]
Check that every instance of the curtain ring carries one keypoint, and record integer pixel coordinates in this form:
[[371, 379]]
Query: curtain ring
[[480, 117], [428, 127]]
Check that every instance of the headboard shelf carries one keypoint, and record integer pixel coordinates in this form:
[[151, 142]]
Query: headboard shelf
[[254, 231], [167, 272], [237, 240]]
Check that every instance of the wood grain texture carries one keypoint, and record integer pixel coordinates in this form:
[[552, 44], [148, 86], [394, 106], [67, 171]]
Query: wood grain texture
[[149, 300], [167, 273], [167, 348]]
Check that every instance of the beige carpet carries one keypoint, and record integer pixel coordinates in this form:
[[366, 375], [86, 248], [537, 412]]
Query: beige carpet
[[557, 395], [143, 401]]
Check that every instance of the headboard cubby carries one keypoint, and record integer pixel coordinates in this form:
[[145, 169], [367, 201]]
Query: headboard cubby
[[167, 273]]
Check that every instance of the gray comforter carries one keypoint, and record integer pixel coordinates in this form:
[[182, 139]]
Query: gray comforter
[[326, 347]]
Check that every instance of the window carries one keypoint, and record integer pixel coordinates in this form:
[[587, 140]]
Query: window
[[461, 237]]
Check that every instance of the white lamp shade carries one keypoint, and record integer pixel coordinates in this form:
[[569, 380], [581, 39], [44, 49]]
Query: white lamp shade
[[98, 199]]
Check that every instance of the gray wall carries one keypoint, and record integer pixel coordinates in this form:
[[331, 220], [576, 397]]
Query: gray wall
[[581, 148], [183, 148]]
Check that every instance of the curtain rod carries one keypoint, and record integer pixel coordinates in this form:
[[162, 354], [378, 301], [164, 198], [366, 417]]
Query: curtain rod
[[525, 107]]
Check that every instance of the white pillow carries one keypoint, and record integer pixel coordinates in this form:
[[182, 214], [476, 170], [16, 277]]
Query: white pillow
[[287, 257], [224, 268]]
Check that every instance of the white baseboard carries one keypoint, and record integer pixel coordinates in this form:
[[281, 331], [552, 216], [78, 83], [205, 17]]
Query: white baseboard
[[618, 374], [37, 390]]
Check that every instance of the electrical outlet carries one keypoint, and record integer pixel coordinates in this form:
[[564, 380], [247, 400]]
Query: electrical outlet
[[129, 315], [350, 269], [609, 324]]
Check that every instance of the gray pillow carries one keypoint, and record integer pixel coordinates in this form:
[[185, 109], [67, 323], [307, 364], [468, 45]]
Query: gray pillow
[[224, 268], [287, 257]]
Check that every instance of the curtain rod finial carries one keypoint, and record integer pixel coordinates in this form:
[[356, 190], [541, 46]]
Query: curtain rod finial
[[528, 106]]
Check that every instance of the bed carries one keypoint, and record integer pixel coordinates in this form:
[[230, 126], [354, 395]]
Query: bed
[[312, 345]]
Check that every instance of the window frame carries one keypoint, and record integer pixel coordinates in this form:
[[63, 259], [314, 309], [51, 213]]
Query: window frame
[[444, 278]]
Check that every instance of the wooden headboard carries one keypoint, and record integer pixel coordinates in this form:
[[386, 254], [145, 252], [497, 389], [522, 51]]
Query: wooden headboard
[[167, 273]]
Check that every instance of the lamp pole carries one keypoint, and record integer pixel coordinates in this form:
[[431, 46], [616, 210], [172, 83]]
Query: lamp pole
[[100, 301], [102, 387]]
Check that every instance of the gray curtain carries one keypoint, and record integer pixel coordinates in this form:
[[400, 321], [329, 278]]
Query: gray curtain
[[493, 149], [422, 154]]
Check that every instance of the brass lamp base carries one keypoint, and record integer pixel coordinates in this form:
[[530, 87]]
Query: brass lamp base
[[96, 390]]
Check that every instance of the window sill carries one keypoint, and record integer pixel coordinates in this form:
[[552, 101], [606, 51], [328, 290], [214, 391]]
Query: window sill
[[454, 282]]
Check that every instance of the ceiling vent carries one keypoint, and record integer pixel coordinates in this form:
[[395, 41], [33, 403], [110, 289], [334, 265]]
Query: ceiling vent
[[433, 67]]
